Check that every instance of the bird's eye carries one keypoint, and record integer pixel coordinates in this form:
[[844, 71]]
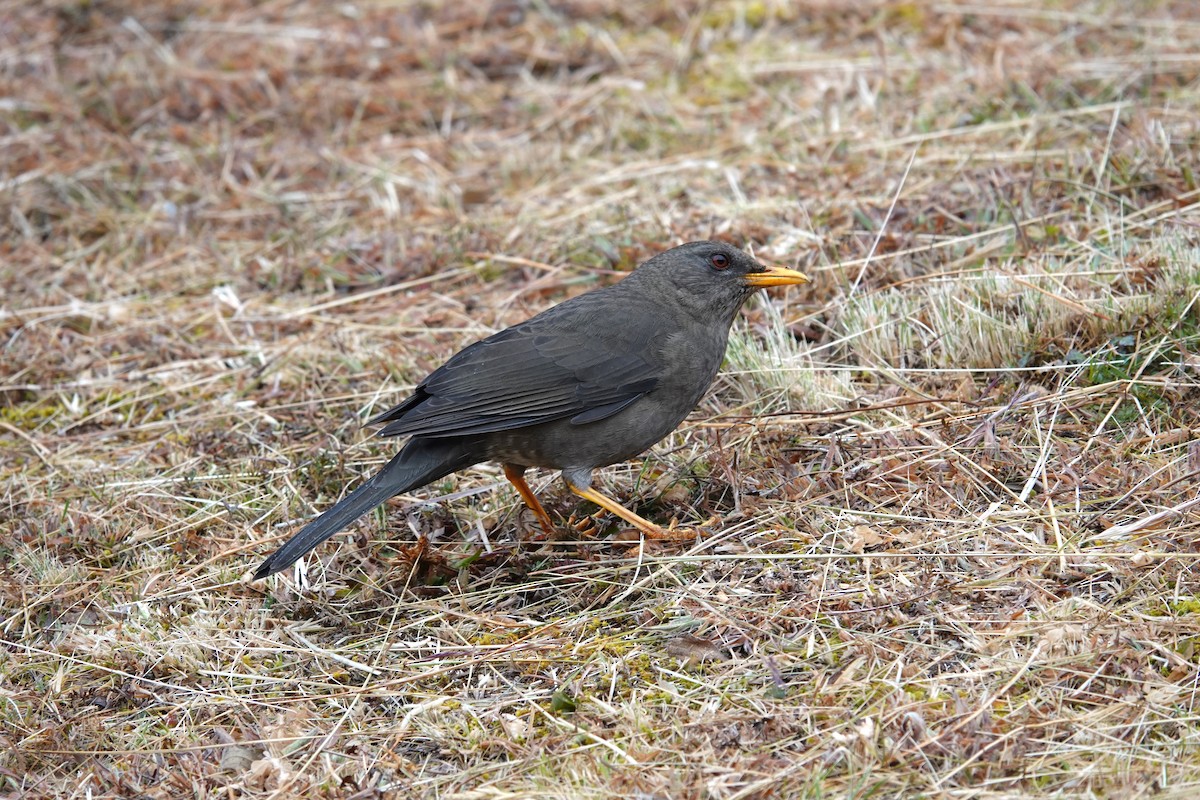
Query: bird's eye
[[719, 260]]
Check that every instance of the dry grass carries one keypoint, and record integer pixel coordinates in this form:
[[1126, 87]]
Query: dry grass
[[954, 482]]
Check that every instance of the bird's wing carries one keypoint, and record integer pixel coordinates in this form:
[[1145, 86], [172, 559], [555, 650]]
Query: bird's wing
[[529, 374]]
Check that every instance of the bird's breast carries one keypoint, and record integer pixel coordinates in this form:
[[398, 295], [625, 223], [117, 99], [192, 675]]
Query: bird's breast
[[690, 360]]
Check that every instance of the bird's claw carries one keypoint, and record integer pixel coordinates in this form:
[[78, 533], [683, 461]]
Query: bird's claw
[[586, 526], [414, 553]]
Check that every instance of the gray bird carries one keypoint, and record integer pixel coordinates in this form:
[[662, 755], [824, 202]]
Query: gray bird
[[587, 383]]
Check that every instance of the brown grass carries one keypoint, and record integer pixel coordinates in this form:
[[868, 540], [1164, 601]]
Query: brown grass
[[951, 487]]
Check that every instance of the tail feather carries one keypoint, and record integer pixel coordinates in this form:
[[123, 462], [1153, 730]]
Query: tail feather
[[420, 462]]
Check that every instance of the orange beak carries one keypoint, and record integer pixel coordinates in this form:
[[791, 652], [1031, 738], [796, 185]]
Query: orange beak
[[775, 276]]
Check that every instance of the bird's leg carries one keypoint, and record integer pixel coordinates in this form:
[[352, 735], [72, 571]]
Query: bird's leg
[[651, 531], [516, 476]]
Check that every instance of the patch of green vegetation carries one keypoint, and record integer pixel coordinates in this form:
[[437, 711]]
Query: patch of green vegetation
[[562, 702], [29, 415], [1187, 646], [1119, 361], [1136, 356], [719, 87], [490, 270], [753, 14], [1182, 606]]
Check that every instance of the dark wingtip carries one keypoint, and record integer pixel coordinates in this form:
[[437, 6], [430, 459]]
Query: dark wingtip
[[263, 570]]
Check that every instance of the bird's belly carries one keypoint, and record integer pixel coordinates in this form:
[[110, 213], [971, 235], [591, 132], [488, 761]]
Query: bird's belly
[[562, 445]]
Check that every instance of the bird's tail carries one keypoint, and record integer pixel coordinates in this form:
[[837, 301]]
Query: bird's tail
[[421, 461]]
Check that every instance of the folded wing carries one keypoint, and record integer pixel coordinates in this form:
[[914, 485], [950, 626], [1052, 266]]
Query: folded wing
[[526, 375]]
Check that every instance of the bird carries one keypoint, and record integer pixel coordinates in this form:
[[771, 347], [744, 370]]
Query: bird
[[590, 382]]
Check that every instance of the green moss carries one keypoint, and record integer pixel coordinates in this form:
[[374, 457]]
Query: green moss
[[1190, 605], [28, 416], [489, 270], [753, 14]]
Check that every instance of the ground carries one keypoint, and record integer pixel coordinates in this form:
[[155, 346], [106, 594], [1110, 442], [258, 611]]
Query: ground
[[946, 493]]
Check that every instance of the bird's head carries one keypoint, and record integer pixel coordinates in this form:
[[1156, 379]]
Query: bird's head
[[712, 278]]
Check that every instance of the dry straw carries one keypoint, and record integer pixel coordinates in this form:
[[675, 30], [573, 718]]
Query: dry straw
[[950, 487]]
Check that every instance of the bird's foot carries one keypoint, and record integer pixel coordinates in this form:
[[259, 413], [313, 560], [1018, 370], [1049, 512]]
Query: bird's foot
[[586, 526], [416, 552]]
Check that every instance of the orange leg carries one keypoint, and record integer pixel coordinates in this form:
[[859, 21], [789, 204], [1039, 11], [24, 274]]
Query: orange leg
[[644, 525], [516, 476]]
